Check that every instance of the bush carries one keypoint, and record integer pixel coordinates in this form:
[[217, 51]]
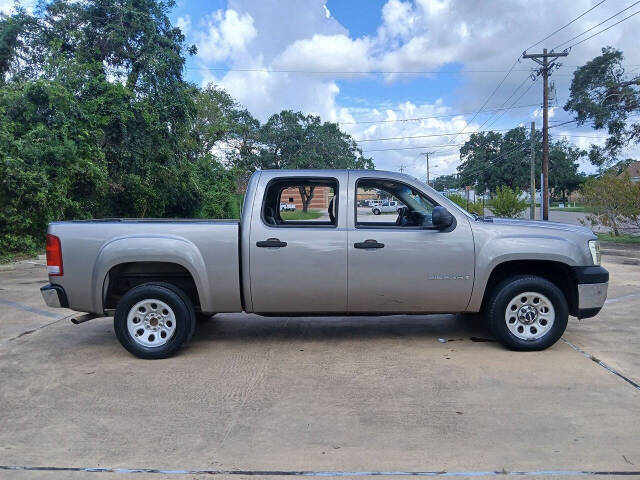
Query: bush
[[507, 202], [474, 207], [614, 201]]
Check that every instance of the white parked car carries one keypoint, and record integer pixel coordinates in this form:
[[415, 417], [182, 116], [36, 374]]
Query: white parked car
[[386, 207], [287, 207]]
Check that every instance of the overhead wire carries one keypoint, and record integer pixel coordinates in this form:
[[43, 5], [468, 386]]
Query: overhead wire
[[596, 26], [566, 25]]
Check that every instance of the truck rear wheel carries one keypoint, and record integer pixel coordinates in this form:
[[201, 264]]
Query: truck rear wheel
[[527, 313], [154, 320]]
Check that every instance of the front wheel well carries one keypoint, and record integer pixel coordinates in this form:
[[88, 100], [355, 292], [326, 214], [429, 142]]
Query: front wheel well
[[125, 276], [558, 273]]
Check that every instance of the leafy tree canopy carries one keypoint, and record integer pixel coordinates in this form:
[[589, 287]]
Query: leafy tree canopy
[[445, 182], [491, 159], [604, 96]]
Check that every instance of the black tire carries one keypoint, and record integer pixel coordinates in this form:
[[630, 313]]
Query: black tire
[[503, 294], [176, 299], [376, 211]]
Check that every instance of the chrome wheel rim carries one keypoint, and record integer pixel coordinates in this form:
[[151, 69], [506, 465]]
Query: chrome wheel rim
[[151, 323], [529, 315]]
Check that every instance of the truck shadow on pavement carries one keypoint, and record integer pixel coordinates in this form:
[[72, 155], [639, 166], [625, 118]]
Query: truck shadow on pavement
[[439, 328]]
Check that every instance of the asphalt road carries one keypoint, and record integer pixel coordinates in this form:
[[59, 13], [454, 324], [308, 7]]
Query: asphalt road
[[255, 397]]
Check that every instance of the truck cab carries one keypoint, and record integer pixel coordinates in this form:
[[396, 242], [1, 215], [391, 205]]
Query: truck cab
[[349, 259]]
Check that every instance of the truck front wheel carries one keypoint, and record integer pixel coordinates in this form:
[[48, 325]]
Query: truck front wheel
[[154, 320], [527, 313]]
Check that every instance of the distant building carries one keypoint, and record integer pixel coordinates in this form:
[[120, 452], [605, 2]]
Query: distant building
[[321, 197], [634, 171]]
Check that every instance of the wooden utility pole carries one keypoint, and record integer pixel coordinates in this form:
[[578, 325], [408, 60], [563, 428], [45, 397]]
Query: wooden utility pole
[[426, 154], [544, 71], [532, 188]]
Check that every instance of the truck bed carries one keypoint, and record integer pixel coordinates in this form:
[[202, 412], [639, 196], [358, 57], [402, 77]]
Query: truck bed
[[207, 249]]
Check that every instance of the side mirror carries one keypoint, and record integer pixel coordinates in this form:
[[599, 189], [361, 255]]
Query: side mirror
[[441, 217]]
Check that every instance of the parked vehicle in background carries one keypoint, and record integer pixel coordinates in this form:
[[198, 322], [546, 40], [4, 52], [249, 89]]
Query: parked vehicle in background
[[287, 207], [387, 207], [373, 203], [156, 276]]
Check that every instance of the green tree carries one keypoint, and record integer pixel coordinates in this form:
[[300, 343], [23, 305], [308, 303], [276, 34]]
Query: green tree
[[50, 164], [294, 140], [445, 182], [490, 159], [614, 201], [564, 177], [507, 202], [602, 95]]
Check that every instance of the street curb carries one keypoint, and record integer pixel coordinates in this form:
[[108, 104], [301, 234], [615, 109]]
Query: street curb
[[630, 247], [22, 265]]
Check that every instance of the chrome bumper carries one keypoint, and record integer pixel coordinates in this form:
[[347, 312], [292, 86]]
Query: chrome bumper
[[592, 295]]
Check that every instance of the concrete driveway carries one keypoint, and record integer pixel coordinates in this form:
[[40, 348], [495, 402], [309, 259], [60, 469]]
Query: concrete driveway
[[255, 397]]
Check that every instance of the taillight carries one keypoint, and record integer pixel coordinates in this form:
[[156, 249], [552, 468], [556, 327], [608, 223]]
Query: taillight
[[54, 256]]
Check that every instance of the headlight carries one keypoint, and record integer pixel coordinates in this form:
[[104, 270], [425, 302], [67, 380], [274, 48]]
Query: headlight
[[594, 248]]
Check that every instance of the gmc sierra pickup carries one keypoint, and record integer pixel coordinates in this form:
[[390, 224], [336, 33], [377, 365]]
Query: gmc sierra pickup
[[157, 276]]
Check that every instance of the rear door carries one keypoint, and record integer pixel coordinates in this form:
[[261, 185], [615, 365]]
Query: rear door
[[406, 268], [298, 259]]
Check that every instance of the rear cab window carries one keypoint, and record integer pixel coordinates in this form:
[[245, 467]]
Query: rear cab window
[[301, 202]]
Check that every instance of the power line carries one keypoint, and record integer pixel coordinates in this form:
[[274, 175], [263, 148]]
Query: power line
[[563, 123], [352, 72], [565, 26], [411, 148], [490, 96], [371, 72], [596, 26], [427, 135], [517, 100], [603, 30], [414, 119], [510, 96]]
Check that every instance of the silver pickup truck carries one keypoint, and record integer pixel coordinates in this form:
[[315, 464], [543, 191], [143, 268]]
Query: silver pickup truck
[[157, 276]]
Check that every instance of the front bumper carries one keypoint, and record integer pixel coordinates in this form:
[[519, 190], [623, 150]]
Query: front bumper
[[593, 283], [54, 296]]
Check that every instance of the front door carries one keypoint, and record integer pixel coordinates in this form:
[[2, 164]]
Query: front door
[[395, 264], [298, 257]]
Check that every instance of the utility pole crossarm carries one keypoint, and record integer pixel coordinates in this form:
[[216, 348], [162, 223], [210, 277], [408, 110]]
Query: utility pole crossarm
[[543, 55]]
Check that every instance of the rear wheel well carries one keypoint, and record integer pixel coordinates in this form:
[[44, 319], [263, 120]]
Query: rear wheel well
[[125, 276], [558, 273]]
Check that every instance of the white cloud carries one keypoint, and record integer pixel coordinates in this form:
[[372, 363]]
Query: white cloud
[[227, 34], [8, 6], [184, 24], [320, 53]]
